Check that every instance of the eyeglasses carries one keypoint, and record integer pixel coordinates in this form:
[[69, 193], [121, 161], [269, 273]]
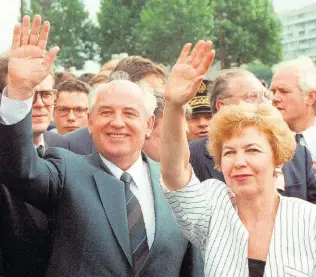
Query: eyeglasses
[[63, 111], [48, 96], [254, 96]]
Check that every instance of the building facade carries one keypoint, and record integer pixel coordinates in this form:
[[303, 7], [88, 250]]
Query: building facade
[[299, 32]]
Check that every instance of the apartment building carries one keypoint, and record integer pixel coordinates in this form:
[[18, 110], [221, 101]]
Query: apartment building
[[299, 32]]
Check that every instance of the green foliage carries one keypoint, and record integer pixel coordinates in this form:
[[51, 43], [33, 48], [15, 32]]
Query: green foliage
[[243, 31], [262, 71], [250, 30], [71, 30], [117, 18], [165, 26]]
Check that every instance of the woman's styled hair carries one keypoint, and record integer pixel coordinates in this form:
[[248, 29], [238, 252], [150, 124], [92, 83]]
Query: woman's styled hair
[[231, 121]]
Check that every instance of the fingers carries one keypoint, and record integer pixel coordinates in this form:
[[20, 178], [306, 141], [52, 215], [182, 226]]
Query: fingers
[[35, 30], [206, 62], [25, 30], [196, 50], [42, 41], [51, 57], [184, 53], [16, 41]]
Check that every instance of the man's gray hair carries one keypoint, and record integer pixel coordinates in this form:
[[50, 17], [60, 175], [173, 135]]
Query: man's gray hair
[[307, 73], [150, 100], [220, 87]]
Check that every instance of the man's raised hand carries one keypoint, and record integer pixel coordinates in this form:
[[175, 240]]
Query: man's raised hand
[[188, 72], [29, 64]]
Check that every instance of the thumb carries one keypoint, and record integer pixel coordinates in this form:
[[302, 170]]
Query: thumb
[[192, 90], [51, 57]]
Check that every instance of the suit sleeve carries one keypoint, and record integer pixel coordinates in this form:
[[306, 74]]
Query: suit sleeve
[[35, 180], [310, 178]]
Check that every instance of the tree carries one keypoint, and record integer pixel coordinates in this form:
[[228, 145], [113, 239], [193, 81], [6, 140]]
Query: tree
[[247, 30], [261, 71], [117, 18], [165, 26], [71, 30]]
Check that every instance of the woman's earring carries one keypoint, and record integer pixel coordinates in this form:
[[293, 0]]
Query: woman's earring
[[277, 171]]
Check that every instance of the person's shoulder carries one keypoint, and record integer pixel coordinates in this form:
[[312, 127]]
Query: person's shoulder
[[78, 133], [303, 207], [200, 143], [58, 152]]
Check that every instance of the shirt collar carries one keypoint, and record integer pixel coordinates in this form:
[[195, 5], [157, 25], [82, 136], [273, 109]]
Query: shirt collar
[[136, 170], [311, 131], [42, 142]]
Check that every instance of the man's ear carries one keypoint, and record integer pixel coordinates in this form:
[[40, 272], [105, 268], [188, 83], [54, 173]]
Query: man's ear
[[311, 100], [219, 104], [150, 126], [90, 123]]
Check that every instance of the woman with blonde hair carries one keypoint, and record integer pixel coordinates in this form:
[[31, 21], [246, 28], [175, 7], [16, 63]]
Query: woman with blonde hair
[[244, 228]]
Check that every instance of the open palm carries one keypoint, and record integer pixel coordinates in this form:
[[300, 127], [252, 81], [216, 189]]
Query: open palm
[[188, 73], [28, 64]]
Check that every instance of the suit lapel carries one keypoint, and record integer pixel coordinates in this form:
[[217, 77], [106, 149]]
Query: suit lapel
[[163, 217], [112, 195]]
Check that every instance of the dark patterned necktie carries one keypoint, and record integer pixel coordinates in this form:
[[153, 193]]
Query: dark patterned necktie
[[136, 225], [298, 138], [40, 151]]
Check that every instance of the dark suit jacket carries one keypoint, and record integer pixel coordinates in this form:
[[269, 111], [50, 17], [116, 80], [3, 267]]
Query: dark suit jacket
[[79, 142], [299, 176], [24, 231], [90, 223]]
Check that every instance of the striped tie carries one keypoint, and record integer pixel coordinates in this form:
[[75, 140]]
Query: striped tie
[[136, 225], [298, 138]]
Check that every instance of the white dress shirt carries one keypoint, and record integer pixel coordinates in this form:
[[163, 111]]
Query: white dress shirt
[[13, 111], [142, 189], [308, 139]]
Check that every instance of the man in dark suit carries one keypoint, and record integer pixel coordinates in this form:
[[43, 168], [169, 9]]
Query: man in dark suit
[[234, 86], [95, 214], [24, 230]]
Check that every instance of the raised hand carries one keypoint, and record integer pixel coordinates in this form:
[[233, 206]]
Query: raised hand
[[188, 72], [29, 64]]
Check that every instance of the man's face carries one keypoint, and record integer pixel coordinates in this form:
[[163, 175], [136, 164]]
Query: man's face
[[42, 114], [119, 122], [71, 111], [242, 88], [198, 126], [287, 95]]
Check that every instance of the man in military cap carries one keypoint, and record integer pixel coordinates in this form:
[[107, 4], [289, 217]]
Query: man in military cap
[[201, 114]]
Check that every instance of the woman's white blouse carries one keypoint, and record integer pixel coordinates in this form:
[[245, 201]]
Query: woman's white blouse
[[208, 215]]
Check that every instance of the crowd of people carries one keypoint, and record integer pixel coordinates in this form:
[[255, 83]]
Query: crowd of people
[[138, 172]]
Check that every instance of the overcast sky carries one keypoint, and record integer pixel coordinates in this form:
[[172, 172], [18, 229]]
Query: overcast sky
[[9, 13]]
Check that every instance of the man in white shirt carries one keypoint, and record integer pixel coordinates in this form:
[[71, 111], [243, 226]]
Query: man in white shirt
[[104, 226], [294, 95]]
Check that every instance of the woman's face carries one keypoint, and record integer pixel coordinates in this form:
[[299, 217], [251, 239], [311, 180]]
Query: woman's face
[[247, 163]]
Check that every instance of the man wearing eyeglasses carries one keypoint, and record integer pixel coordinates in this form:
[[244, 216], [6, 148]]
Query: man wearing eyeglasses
[[71, 106], [232, 87]]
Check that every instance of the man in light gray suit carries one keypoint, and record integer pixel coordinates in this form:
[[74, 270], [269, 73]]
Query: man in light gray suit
[[110, 216]]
